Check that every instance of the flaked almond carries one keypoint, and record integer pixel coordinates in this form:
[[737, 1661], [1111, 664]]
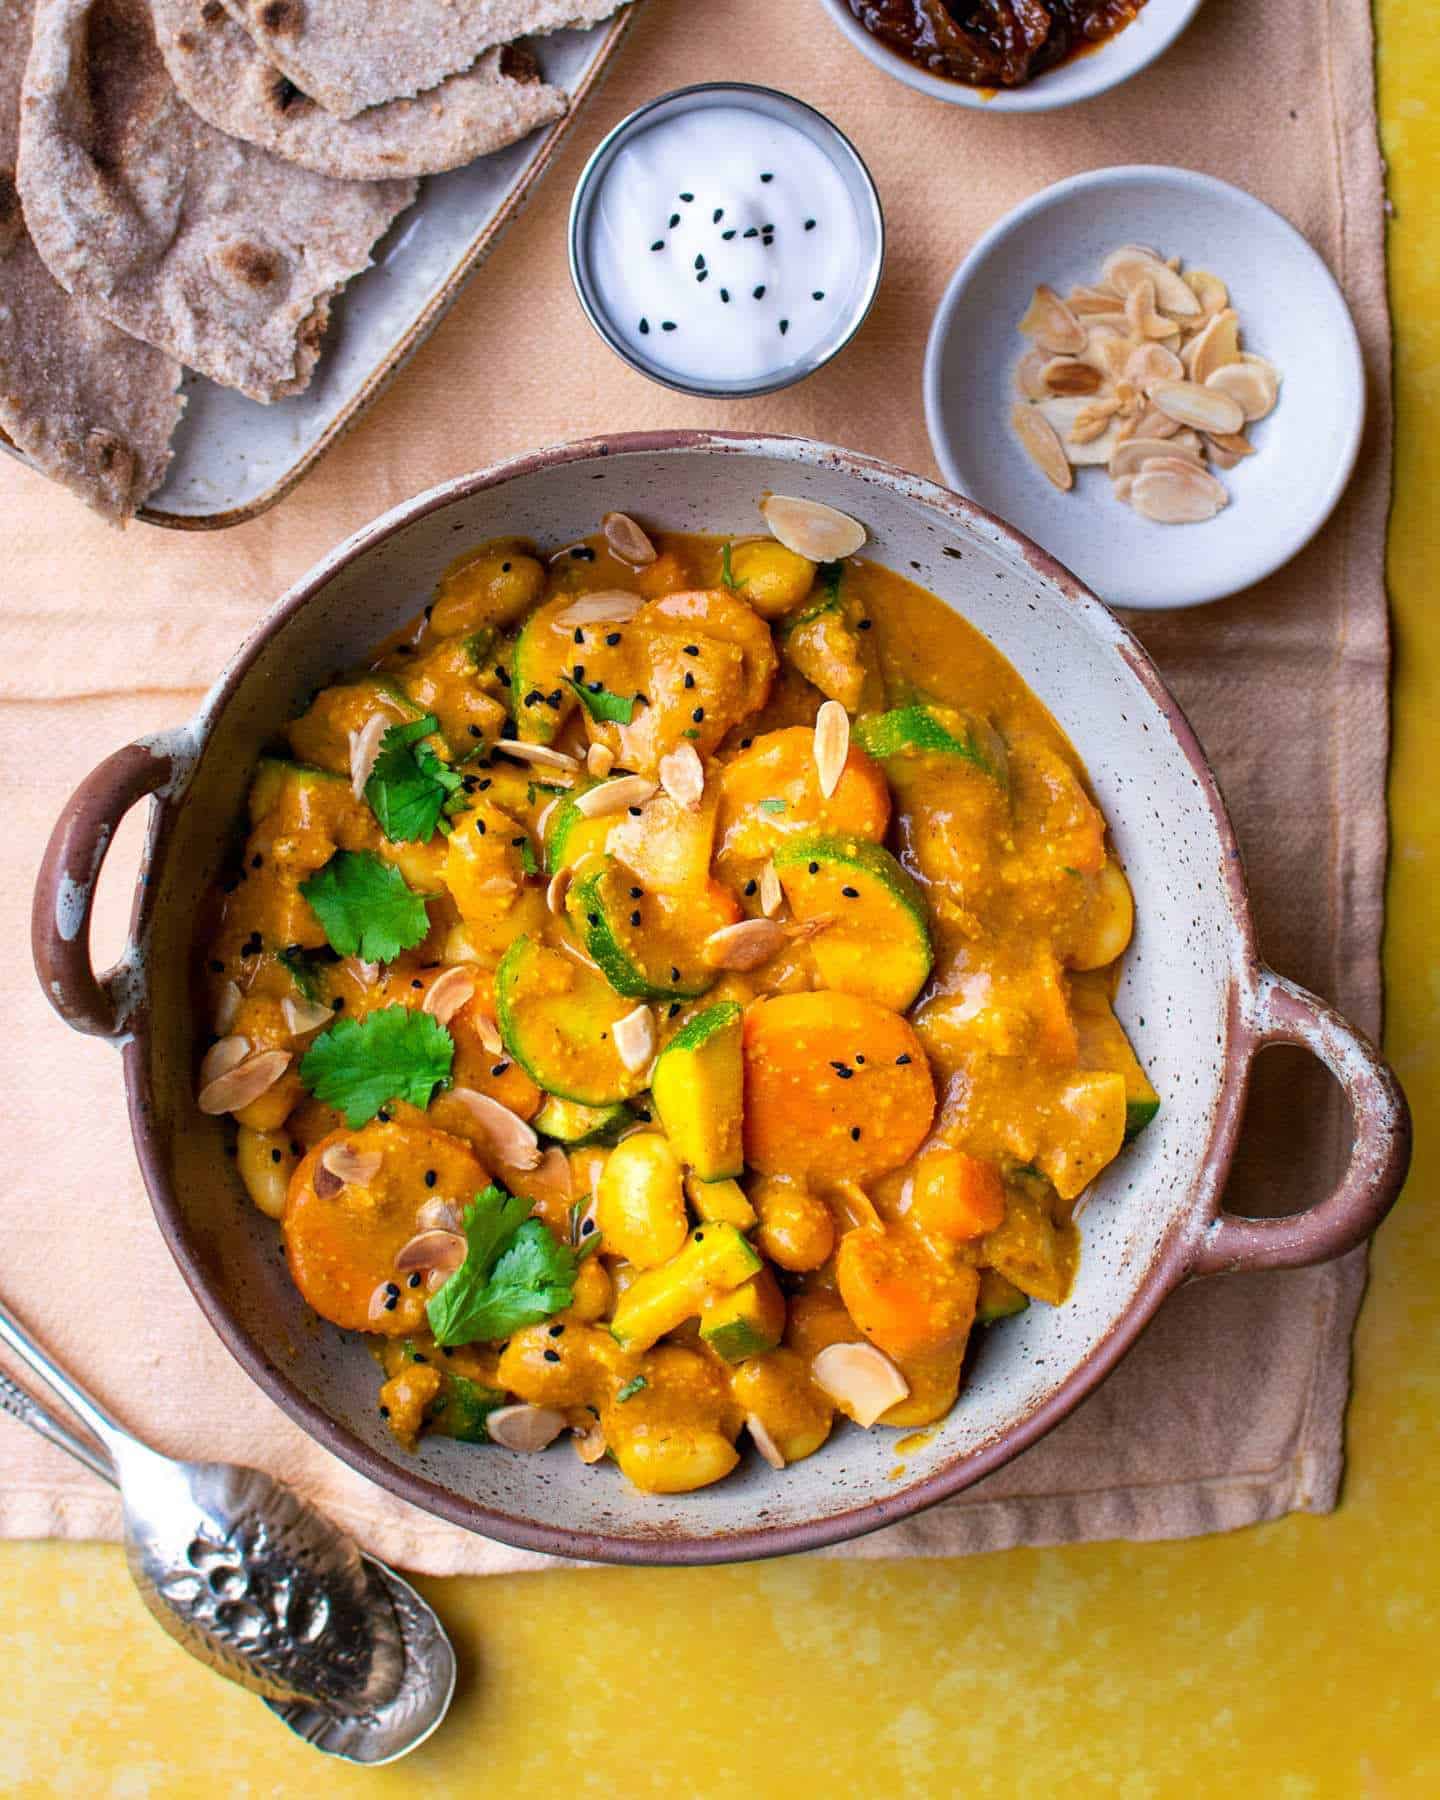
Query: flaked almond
[[1123, 486], [1208, 289], [304, 1015], [1127, 268], [1203, 408], [606, 606], [1177, 494], [383, 1301], [627, 541], [366, 973], [861, 1380], [1040, 443], [635, 1038], [488, 1033], [800, 931], [760, 1437], [682, 775], [588, 1442], [856, 1206], [227, 1008], [444, 1250], [1252, 385], [223, 1054], [1146, 320], [1092, 420], [1216, 347], [540, 756], [744, 946], [771, 893], [1060, 414], [1129, 457], [831, 745], [1030, 374], [599, 760], [364, 748], [1152, 423], [349, 1166], [504, 1133], [1087, 301], [555, 891], [436, 1279], [448, 993], [1052, 324], [812, 529], [1229, 449], [1067, 375], [614, 796], [1151, 363], [524, 1428], [494, 884], [437, 1215], [239, 1086], [553, 1173]]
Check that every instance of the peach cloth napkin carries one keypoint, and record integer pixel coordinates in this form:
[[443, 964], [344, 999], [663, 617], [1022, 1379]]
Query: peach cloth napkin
[[1231, 1408]]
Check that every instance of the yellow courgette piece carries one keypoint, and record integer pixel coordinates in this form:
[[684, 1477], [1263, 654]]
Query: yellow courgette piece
[[747, 1321], [715, 1260], [696, 1088]]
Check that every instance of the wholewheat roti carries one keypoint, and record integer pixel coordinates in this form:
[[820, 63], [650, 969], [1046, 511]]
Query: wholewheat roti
[[88, 405], [350, 54], [221, 73], [204, 246]]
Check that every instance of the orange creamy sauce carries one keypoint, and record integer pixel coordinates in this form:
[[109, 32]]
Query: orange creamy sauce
[[898, 1107]]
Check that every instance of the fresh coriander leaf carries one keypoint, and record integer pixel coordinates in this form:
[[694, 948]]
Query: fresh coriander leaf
[[527, 858], [394, 1054], [302, 972], [514, 1274], [830, 575], [727, 573], [690, 734], [772, 806], [611, 709], [409, 785], [366, 906], [630, 1389], [586, 1245]]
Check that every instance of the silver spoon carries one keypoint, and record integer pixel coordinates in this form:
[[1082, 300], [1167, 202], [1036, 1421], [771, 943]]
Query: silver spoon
[[258, 1585]]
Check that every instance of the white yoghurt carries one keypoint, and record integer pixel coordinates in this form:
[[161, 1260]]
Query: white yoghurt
[[725, 245]]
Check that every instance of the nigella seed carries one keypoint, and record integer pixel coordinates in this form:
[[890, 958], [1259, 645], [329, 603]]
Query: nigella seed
[[612, 638], [498, 1069], [689, 679], [850, 893], [855, 1133], [431, 1177], [644, 328], [699, 262], [754, 231], [864, 624], [814, 868], [635, 917], [725, 295], [727, 235], [692, 649], [760, 291], [595, 686], [637, 893], [687, 198], [751, 886], [674, 220], [579, 671], [717, 215], [767, 177], [819, 294], [667, 324], [634, 811], [556, 1331], [704, 275], [903, 1059], [552, 1356], [698, 714], [579, 636], [809, 224], [415, 1282], [784, 326]]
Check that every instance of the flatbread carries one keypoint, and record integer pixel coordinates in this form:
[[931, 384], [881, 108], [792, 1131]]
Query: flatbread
[[202, 245], [221, 73], [90, 407], [350, 54]]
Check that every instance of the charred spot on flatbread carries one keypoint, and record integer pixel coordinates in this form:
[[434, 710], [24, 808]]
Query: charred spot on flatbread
[[12, 223], [282, 18], [127, 87], [517, 64]]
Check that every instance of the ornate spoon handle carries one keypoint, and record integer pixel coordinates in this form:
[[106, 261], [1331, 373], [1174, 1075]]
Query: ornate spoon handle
[[110, 1434], [20, 1405]]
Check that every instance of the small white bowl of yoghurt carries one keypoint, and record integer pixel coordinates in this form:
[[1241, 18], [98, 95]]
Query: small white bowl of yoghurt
[[726, 240]]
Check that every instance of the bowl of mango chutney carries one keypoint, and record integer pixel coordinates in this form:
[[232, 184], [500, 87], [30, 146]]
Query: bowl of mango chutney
[[690, 995]]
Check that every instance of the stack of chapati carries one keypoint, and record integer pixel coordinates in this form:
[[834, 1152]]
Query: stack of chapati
[[193, 181]]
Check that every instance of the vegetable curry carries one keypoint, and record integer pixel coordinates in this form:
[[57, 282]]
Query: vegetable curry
[[666, 995]]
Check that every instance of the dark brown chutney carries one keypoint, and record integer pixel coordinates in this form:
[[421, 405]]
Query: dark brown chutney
[[992, 43]]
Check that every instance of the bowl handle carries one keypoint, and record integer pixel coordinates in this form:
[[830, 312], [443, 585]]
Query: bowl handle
[[65, 887], [1279, 1012]]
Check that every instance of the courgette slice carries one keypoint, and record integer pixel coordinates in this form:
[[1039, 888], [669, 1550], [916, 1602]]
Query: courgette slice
[[277, 778], [1104, 1045], [999, 1298], [635, 937], [570, 1123], [570, 836], [908, 733], [747, 1321], [696, 1088], [878, 944], [715, 1259], [540, 690], [558, 1022]]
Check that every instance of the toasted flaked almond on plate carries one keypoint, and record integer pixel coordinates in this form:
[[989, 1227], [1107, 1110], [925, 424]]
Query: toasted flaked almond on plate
[[812, 529], [1202, 408], [1177, 494], [1051, 323], [1041, 444]]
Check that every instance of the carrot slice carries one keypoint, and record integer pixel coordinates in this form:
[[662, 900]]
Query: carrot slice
[[957, 1196], [341, 1245], [907, 1298], [836, 1088]]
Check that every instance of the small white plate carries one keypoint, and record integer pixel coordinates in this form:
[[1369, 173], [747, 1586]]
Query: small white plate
[[1291, 310], [1149, 35]]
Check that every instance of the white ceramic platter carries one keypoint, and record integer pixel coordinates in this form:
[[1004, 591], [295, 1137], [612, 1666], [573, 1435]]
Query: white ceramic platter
[[1291, 310], [1096, 71], [235, 457]]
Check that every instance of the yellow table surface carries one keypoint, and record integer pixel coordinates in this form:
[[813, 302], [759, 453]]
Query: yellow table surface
[[1294, 1659]]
